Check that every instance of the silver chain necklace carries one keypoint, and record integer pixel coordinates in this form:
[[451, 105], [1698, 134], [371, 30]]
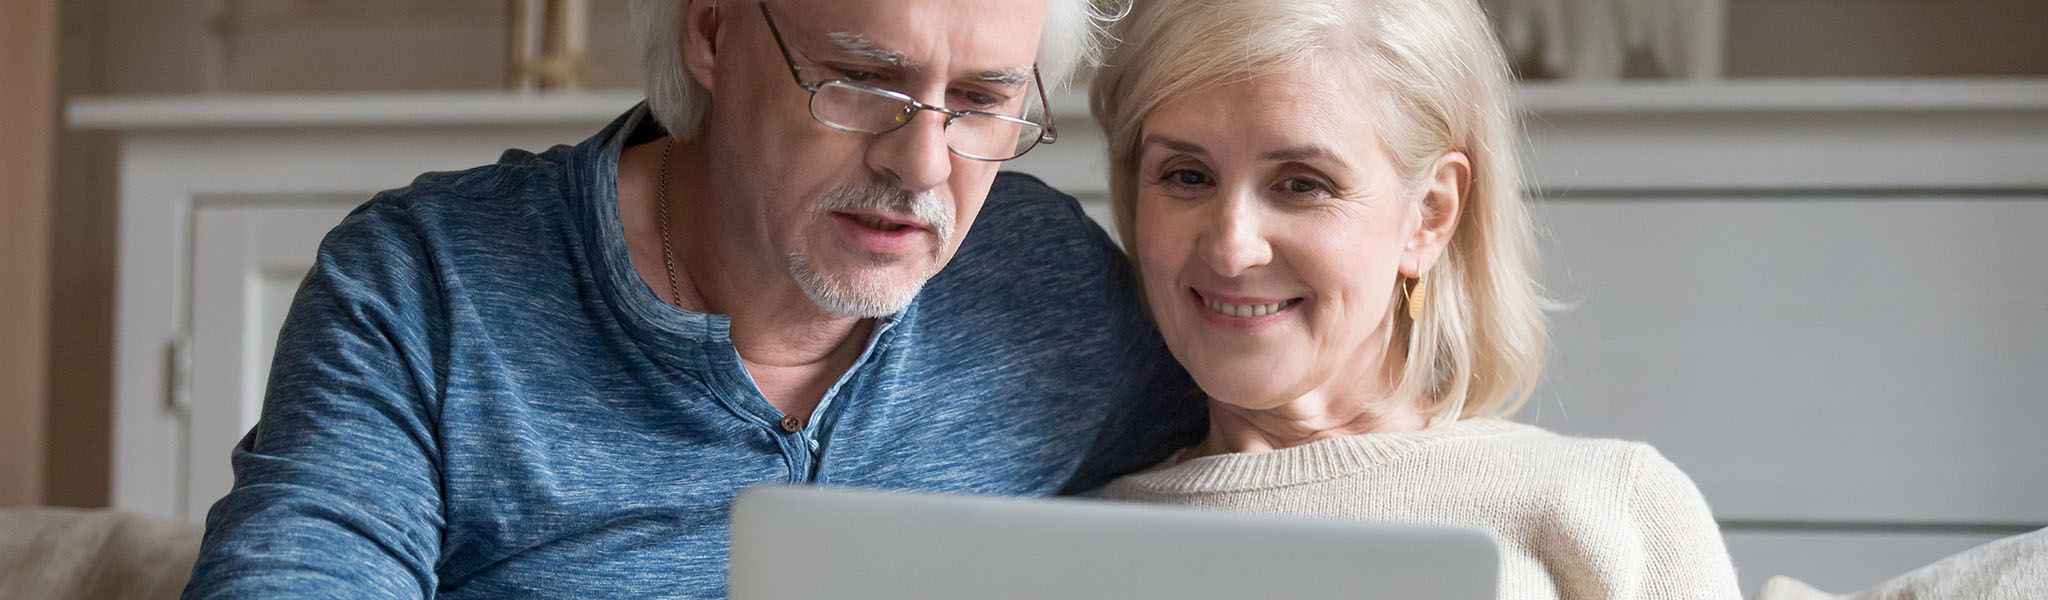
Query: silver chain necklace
[[668, 255]]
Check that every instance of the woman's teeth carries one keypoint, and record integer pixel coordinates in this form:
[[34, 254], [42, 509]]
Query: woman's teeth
[[873, 222], [1245, 310]]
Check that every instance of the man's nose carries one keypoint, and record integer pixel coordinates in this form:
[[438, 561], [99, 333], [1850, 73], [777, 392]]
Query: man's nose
[[914, 156]]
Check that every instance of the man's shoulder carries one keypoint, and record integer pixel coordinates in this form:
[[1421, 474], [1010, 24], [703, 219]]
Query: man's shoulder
[[443, 220], [1014, 197], [1026, 223], [1034, 270], [1018, 186], [1031, 240], [520, 180], [514, 196]]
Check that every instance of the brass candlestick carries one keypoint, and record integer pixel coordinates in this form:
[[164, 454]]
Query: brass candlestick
[[549, 45]]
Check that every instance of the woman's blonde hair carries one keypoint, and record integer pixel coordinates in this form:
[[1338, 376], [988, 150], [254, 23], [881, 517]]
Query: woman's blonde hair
[[1443, 85]]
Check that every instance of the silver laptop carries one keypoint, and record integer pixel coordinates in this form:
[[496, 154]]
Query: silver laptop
[[806, 543]]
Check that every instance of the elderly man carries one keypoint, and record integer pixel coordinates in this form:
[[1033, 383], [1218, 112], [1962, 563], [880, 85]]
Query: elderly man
[[548, 377]]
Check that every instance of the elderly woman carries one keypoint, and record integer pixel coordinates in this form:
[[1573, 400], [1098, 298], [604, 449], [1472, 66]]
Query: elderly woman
[[1322, 200]]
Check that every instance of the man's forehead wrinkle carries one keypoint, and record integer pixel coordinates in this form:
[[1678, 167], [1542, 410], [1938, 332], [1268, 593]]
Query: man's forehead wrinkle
[[854, 44], [858, 45]]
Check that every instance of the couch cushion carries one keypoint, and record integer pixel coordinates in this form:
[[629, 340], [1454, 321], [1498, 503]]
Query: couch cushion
[[64, 553]]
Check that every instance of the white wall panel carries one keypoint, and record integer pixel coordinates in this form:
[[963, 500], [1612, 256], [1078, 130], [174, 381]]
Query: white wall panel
[[1812, 360]]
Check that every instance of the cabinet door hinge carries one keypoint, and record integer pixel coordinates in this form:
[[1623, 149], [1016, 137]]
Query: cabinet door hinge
[[178, 399]]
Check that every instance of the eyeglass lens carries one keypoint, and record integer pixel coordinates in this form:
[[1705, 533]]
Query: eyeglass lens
[[974, 135]]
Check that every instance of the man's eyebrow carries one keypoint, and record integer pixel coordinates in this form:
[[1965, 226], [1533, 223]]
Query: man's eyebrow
[[1004, 77], [1174, 145], [856, 45]]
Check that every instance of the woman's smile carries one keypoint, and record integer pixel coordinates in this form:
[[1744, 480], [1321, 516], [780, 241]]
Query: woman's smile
[[1242, 313]]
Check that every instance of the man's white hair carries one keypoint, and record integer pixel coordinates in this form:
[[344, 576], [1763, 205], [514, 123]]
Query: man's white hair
[[1071, 41]]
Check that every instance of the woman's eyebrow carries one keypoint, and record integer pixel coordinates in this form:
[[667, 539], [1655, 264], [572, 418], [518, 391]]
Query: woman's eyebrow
[[1173, 144], [1300, 153]]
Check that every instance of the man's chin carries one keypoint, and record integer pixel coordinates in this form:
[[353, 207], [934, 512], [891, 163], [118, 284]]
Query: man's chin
[[859, 292]]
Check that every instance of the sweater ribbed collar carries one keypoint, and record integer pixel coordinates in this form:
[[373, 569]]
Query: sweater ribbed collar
[[1320, 460]]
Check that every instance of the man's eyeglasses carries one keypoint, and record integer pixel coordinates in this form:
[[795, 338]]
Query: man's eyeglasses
[[849, 106]]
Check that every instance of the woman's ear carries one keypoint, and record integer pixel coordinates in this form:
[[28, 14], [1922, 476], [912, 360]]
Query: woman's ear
[[1450, 183], [700, 40]]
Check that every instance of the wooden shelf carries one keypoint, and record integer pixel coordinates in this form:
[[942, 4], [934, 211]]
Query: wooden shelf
[[1541, 98]]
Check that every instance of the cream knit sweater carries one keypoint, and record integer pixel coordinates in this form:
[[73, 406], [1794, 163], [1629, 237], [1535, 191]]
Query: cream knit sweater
[[1573, 518]]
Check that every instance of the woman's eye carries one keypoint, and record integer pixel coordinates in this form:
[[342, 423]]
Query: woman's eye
[[1300, 185], [1185, 178]]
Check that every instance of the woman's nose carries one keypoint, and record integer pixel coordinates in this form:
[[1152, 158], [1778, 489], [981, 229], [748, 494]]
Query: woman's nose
[[1231, 241]]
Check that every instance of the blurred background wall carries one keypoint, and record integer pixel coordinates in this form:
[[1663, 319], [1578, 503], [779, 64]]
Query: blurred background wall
[[28, 50]]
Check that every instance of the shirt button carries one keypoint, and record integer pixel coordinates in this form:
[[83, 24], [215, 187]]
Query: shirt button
[[791, 425]]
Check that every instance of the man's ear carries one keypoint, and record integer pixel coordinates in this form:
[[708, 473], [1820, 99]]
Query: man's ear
[[1450, 184], [700, 39]]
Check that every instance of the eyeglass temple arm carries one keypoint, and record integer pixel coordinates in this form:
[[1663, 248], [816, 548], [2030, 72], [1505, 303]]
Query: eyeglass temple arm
[[1051, 133], [795, 72]]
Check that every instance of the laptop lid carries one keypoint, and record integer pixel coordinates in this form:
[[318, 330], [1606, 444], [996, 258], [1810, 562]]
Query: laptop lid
[[808, 543]]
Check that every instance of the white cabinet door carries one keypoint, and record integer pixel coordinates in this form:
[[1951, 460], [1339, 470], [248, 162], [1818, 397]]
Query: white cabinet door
[[247, 182], [247, 264]]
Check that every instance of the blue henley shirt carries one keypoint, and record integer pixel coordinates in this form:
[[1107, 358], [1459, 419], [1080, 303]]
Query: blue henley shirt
[[476, 396]]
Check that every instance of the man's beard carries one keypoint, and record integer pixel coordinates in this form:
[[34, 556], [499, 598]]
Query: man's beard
[[850, 294]]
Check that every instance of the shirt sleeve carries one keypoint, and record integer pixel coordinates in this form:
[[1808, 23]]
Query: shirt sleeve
[[1684, 555], [337, 488]]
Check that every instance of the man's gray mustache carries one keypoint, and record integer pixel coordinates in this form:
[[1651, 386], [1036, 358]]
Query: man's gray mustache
[[876, 196]]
